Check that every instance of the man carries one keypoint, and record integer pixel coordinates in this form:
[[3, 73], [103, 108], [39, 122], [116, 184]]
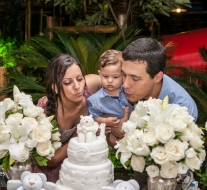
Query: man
[[143, 65]]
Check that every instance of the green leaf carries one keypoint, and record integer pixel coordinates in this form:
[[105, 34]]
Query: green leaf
[[41, 161], [5, 162]]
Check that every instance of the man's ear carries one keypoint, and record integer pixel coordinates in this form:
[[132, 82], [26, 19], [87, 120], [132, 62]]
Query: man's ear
[[54, 87], [158, 77]]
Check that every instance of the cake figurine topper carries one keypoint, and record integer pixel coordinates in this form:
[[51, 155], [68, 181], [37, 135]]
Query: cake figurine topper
[[87, 129], [31, 181], [123, 185]]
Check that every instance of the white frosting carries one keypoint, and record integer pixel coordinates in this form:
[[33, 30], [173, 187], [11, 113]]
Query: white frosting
[[87, 166], [87, 153], [76, 177]]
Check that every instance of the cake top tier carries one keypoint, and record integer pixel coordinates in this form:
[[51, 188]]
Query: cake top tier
[[87, 129]]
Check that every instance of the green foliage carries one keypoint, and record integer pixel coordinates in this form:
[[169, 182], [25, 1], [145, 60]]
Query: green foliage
[[24, 83], [201, 177], [100, 17], [195, 83], [36, 52], [41, 161], [4, 162], [203, 52], [6, 45], [149, 8], [119, 171]]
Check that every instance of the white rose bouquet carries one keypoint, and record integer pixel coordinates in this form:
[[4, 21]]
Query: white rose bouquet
[[162, 139], [25, 131]]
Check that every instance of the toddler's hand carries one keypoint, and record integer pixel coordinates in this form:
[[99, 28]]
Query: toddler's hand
[[112, 121]]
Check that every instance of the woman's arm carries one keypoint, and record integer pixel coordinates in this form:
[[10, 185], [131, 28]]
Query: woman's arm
[[60, 155], [93, 82]]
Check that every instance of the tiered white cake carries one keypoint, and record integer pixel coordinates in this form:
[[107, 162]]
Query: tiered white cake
[[87, 166]]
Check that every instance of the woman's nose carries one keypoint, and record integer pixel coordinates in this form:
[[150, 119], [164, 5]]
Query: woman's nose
[[76, 85]]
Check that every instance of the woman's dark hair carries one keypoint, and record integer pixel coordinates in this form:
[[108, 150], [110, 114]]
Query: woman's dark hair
[[149, 50], [55, 72]]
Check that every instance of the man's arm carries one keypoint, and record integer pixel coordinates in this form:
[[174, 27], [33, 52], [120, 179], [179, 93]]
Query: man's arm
[[117, 132]]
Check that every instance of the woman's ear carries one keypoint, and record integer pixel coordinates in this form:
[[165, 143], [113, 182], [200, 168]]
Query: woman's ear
[[158, 77], [99, 72]]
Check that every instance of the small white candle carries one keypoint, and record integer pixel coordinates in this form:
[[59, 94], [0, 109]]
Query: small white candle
[[102, 130]]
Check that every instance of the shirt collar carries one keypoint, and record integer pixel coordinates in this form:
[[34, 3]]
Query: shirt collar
[[103, 93]]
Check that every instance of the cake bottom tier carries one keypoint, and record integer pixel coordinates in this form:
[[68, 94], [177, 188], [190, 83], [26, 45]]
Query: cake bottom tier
[[82, 177]]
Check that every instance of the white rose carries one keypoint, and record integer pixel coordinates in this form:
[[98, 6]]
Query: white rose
[[186, 135], [193, 163], [41, 116], [46, 123], [56, 136], [202, 155], [175, 150], [137, 163], [136, 144], [178, 113], [52, 153], [32, 111], [149, 137], [3, 136], [152, 171], [164, 132], [177, 123], [44, 148], [30, 143], [136, 117], [16, 117], [56, 145], [3, 153], [206, 125], [30, 122], [9, 103], [182, 168], [128, 126], [25, 154], [169, 170], [25, 101], [159, 155], [156, 103], [41, 134], [190, 153], [196, 142], [195, 129]]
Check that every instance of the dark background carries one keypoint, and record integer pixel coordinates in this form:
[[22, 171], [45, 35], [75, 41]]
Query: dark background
[[193, 18]]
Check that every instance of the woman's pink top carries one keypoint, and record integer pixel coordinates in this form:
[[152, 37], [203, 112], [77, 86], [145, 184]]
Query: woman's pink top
[[52, 173]]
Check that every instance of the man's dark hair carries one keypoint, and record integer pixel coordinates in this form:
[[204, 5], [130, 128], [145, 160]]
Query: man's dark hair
[[149, 50]]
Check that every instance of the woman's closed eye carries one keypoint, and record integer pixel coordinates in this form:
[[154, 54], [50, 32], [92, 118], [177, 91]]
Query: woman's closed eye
[[67, 83], [80, 79]]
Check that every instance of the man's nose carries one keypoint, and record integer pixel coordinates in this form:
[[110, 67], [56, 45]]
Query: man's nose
[[126, 82]]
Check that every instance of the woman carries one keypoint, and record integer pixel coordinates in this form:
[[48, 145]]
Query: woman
[[66, 92]]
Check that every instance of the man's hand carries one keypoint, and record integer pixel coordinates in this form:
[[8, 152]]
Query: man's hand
[[117, 131]]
